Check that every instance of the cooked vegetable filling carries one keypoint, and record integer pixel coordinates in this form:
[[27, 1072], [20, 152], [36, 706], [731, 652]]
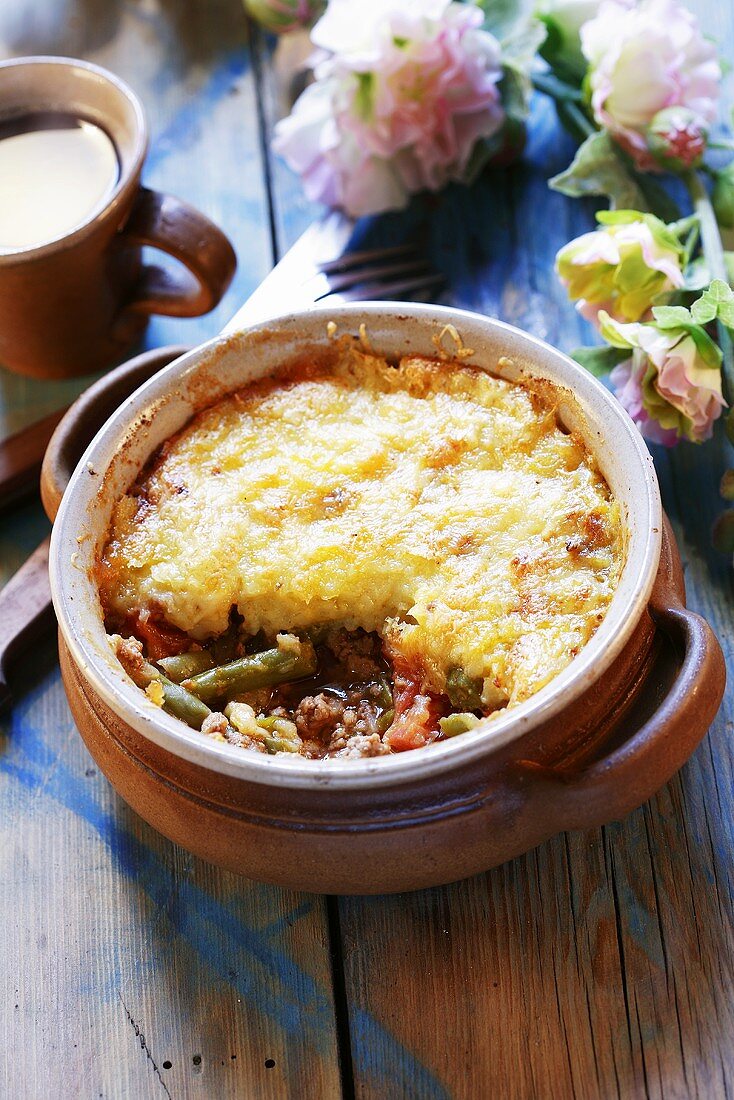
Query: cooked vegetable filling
[[356, 558]]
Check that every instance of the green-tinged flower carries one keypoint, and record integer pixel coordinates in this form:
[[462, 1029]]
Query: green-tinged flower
[[622, 267], [671, 384]]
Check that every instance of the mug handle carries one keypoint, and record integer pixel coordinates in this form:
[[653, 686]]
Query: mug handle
[[165, 222]]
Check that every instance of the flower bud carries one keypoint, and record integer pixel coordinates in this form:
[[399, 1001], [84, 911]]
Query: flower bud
[[280, 16], [676, 137]]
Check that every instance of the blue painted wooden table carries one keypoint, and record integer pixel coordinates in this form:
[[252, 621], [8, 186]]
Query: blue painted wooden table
[[601, 964]]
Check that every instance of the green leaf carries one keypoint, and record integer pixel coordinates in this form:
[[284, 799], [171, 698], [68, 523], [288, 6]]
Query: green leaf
[[658, 200], [672, 317], [597, 169], [520, 46], [726, 488], [722, 534], [515, 90], [599, 361], [562, 53], [518, 51], [502, 17], [716, 303]]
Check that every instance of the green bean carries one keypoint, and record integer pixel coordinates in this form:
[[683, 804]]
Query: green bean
[[276, 734], [184, 665], [273, 666], [182, 704], [457, 723], [463, 691], [176, 700]]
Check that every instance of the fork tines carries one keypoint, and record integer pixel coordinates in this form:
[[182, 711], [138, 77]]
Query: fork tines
[[395, 272], [349, 260]]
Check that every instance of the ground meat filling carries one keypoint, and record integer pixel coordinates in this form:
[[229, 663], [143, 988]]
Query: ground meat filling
[[347, 717], [344, 709], [349, 726]]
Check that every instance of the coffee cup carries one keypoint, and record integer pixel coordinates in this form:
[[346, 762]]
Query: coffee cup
[[74, 300]]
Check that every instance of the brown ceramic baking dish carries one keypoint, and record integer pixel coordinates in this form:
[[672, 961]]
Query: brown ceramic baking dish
[[586, 749]]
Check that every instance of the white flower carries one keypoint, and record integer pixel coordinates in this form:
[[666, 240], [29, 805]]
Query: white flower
[[643, 59]]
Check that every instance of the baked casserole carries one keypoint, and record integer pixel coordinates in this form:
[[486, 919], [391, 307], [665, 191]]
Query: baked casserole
[[358, 557]]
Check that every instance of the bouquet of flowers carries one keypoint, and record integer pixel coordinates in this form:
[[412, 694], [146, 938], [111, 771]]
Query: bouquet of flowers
[[408, 95], [638, 83]]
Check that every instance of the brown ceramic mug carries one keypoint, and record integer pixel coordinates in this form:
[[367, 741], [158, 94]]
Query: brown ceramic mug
[[73, 304]]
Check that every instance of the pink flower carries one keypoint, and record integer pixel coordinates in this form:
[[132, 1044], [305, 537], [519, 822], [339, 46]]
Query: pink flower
[[626, 379], [643, 59], [404, 93], [671, 384]]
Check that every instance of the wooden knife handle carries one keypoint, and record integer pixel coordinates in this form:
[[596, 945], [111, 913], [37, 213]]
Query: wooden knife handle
[[25, 611], [20, 459]]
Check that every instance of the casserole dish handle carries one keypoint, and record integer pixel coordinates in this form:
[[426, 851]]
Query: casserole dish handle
[[85, 417], [680, 697]]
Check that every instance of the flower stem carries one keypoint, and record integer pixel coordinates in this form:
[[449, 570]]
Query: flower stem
[[556, 88], [568, 102], [580, 119], [713, 251]]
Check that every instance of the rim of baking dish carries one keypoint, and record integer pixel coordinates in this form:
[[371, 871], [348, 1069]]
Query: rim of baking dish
[[77, 605]]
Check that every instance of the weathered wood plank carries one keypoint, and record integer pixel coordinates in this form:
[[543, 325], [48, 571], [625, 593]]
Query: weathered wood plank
[[601, 964], [130, 968]]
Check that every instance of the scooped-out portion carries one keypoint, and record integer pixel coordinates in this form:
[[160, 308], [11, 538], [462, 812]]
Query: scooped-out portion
[[357, 557]]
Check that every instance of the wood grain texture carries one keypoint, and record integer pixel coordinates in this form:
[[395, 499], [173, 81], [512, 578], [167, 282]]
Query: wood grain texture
[[128, 967], [601, 964]]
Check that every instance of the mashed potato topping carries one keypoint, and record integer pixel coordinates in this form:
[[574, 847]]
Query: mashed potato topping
[[434, 503]]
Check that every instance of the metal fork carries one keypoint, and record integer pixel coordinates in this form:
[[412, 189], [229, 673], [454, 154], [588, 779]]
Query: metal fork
[[320, 267]]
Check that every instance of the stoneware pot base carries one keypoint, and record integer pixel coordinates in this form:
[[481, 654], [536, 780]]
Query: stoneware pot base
[[668, 698], [593, 744]]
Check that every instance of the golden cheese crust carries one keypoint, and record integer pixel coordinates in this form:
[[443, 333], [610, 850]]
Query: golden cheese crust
[[437, 504]]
